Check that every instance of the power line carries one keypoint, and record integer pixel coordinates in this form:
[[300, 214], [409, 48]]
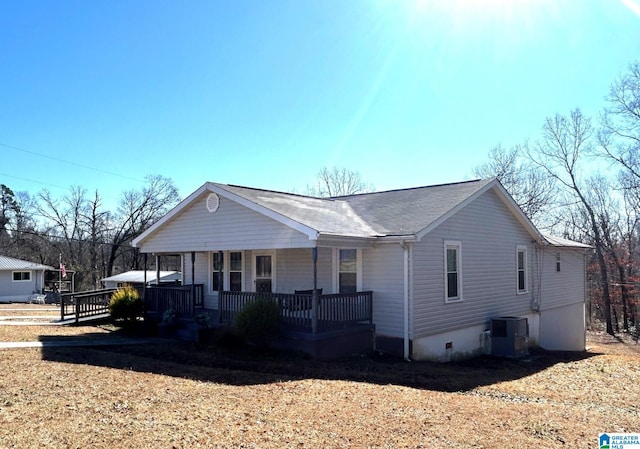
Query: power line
[[47, 184], [57, 159]]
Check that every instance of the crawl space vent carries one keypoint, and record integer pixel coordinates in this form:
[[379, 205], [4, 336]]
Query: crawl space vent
[[213, 202]]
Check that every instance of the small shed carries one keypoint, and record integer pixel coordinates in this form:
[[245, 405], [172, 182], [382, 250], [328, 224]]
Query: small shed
[[136, 278]]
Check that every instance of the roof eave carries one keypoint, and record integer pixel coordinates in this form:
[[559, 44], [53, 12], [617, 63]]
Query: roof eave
[[311, 233]]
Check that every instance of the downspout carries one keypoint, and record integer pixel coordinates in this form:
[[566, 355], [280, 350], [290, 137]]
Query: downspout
[[536, 294], [407, 353]]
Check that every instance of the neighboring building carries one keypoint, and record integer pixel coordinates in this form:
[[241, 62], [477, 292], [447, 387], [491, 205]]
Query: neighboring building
[[441, 261], [21, 280], [136, 278]]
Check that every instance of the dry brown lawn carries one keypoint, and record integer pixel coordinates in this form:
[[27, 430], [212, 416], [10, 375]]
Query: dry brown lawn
[[180, 395]]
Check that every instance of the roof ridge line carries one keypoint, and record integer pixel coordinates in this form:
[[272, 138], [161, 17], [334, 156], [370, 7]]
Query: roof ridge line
[[405, 189]]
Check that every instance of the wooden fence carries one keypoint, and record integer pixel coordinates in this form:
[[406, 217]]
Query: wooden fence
[[333, 311], [181, 299]]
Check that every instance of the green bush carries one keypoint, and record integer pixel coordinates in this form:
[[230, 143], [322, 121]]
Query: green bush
[[125, 304], [258, 321]]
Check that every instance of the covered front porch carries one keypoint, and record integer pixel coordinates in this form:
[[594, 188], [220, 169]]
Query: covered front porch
[[316, 289], [304, 312], [323, 326]]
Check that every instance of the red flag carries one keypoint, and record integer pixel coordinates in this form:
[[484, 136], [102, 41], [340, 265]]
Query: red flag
[[63, 270]]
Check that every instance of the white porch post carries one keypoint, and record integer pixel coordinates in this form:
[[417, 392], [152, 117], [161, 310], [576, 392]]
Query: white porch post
[[314, 303], [157, 270], [144, 285]]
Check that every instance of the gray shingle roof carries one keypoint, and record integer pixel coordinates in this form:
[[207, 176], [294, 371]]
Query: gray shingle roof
[[390, 213], [9, 263], [409, 211]]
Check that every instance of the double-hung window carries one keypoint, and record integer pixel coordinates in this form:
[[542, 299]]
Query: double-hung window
[[217, 268], [522, 269], [348, 271], [225, 273], [453, 271], [235, 271]]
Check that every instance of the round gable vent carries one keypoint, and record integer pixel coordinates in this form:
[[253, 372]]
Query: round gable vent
[[213, 202]]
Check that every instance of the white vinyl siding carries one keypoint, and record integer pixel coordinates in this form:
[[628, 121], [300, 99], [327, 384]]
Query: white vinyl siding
[[383, 273], [566, 287], [236, 228], [295, 270], [488, 233]]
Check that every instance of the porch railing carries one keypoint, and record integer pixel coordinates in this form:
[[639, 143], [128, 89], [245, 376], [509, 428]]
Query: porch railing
[[334, 311], [181, 299], [84, 304]]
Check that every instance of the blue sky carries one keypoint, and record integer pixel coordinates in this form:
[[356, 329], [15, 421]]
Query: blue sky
[[266, 93]]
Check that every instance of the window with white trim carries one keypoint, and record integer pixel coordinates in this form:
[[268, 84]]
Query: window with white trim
[[235, 271], [452, 268], [227, 274], [21, 276], [522, 269], [347, 271], [558, 262], [217, 271]]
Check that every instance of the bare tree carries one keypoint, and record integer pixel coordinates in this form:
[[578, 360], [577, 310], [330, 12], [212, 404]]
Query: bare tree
[[620, 134], [565, 142], [618, 224], [338, 182], [65, 226], [531, 187], [139, 209], [95, 221]]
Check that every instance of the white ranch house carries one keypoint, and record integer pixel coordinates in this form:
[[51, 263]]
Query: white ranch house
[[426, 268], [21, 280]]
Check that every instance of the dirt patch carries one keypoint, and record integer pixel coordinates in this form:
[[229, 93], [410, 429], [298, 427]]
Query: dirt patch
[[189, 396]]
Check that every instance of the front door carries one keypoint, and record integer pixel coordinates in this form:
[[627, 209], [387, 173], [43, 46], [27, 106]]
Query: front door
[[264, 272]]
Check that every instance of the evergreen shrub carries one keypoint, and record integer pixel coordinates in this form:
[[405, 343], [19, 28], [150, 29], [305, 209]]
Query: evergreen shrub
[[125, 304], [258, 321]]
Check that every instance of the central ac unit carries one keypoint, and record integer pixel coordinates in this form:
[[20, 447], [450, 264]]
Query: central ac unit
[[509, 337]]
